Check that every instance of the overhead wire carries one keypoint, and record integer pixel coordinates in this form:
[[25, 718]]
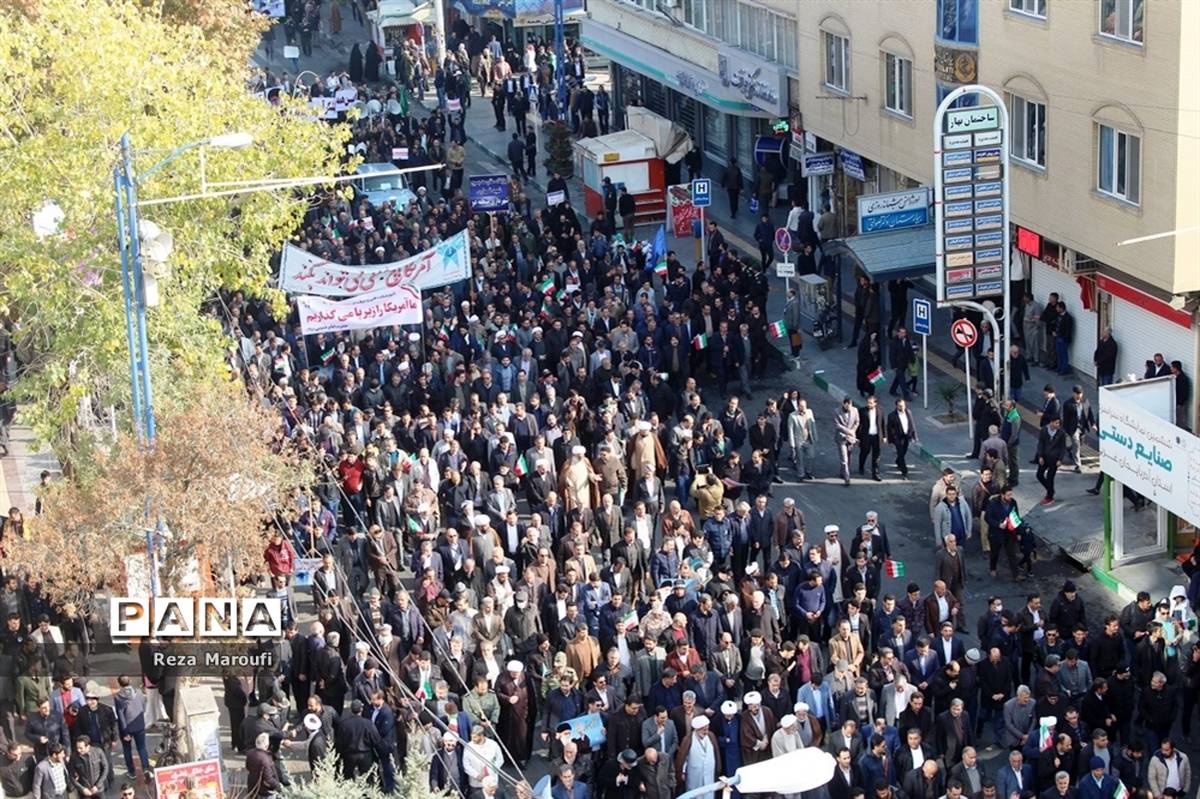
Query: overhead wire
[[376, 647]]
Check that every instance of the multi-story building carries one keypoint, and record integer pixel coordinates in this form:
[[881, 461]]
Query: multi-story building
[[1104, 99]]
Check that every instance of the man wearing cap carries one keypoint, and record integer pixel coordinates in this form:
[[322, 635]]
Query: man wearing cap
[[1097, 783], [512, 689], [757, 727], [619, 778]]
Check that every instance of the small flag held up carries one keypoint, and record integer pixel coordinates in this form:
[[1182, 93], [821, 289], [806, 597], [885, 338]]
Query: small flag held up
[[546, 286], [700, 342], [1012, 521], [893, 568], [778, 329], [658, 252], [876, 376], [522, 467]]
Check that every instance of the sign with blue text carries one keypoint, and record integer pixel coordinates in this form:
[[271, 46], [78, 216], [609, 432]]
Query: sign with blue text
[[970, 196], [816, 164], [922, 313], [701, 192], [488, 193], [893, 211]]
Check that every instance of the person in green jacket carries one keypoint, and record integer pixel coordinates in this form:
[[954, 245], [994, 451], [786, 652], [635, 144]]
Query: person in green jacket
[[33, 688]]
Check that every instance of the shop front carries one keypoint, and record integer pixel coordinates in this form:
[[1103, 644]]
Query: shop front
[[1150, 466], [726, 111]]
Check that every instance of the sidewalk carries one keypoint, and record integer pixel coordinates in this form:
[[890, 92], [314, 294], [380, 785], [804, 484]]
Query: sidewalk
[[1072, 527], [21, 469]]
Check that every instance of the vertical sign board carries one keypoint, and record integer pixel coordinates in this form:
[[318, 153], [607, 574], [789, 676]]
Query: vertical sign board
[[971, 197]]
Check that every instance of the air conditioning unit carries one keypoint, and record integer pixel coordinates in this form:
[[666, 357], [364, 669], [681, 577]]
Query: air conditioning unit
[[1075, 264]]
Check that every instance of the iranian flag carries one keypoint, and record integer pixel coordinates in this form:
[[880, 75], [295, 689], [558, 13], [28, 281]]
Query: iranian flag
[[546, 286], [660, 268], [1121, 791], [1012, 521], [876, 376], [778, 329], [893, 568], [700, 342], [522, 467], [1046, 732], [414, 524]]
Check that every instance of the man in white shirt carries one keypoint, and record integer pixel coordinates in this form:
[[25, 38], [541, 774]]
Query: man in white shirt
[[871, 437]]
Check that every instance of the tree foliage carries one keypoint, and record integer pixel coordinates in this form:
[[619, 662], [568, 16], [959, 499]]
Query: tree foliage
[[79, 74], [216, 471], [328, 783]]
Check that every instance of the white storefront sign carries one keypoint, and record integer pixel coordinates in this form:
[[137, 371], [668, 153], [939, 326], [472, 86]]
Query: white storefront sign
[[759, 82], [1145, 451]]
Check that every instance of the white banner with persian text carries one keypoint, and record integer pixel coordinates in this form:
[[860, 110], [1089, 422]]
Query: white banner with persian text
[[391, 306], [1144, 451], [301, 272]]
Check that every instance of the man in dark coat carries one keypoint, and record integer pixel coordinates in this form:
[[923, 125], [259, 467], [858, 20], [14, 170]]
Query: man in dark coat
[[516, 704], [731, 182], [1051, 448]]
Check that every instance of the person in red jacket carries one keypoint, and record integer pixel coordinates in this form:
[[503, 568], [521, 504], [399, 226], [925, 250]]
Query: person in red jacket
[[350, 471], [280, 556]]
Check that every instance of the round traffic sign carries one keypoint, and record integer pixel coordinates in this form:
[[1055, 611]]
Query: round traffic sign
[[963, 333], [783, 239]]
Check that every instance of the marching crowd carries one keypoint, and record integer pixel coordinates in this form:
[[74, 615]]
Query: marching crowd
[[545, 528]]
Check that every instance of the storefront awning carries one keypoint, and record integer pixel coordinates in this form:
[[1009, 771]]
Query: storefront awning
[[726, 93], [890, 255], [398, 13]]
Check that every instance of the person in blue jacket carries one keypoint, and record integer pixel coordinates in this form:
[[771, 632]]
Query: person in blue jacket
[[1097, 783]]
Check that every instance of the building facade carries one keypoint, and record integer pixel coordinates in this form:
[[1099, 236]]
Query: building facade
[[726, 70], [1104, 141]]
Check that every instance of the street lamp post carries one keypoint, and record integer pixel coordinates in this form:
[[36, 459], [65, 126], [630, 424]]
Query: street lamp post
[[560, 63], [134, 278]]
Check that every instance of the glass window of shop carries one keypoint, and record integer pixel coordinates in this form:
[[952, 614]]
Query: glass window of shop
[[716, 135]]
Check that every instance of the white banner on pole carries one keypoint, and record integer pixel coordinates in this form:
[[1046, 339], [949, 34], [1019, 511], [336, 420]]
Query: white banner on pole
[[301, 272], [393, 306]]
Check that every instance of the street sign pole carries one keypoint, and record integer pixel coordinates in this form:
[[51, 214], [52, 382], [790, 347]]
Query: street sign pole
[[702, 198], [964, 334], [970, 420], [970, 131], [922, 314], [925, 371]]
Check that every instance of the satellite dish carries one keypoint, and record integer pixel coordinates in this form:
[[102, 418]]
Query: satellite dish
[[156, 244]]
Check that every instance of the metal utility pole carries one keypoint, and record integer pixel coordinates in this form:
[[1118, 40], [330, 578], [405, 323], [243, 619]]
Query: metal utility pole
[[439, 30], [560, 59]]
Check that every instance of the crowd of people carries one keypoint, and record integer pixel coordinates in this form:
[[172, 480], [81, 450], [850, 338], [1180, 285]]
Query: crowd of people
[[546, 528]]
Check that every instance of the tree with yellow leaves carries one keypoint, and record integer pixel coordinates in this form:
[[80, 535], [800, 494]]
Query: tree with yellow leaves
[[78, 75]]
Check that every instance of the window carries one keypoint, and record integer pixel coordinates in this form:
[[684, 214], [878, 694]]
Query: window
[[837, 62], [1034, 8], [958, 21], [897, 90], [1119, 172], [1027, 141], [1122, 19]]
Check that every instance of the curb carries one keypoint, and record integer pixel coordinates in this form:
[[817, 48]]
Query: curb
[[1113, 584]]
